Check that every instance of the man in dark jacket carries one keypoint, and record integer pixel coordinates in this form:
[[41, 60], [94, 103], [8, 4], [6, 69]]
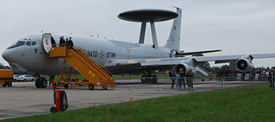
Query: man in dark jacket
[[172, 75], [182, 76], [62, 42], [190, 76], [70, 43], [271, 79]]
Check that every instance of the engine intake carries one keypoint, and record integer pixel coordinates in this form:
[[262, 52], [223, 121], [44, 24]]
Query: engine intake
[[179, 66], [244, 65]]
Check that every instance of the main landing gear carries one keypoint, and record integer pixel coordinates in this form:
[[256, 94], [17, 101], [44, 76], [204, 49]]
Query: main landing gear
[[149, 79], [41, 83]]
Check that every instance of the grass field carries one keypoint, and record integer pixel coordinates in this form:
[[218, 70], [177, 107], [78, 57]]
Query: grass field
[[220, 105]]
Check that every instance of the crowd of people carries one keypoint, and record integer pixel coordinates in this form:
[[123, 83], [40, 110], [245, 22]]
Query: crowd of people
[[68, 42], [181, 77], [234, 74], [228, 75], [253, 75]]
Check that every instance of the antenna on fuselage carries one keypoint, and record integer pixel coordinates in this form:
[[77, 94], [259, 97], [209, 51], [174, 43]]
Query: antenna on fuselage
[[148, 15]]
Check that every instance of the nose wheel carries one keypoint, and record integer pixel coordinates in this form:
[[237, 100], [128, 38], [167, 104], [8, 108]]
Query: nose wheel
[[41, 83]]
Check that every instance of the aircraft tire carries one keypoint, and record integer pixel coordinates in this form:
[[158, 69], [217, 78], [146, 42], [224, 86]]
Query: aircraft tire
[[43, 83], [37, 83], [4, 85], [91, 87]]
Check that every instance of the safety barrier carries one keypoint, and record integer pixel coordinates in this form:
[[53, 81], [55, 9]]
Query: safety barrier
[[164, 83]]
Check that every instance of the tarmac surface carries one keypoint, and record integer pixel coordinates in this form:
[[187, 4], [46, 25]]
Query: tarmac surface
[[23, 98]]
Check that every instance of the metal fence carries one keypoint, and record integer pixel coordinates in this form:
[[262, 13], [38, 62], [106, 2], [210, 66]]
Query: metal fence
[[164, 83]]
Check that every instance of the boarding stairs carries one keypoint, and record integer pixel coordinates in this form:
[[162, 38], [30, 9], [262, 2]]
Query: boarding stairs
[[203, 72], [86, 65]]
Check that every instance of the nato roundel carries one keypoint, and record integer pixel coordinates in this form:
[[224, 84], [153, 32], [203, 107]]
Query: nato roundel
[[147, 15]]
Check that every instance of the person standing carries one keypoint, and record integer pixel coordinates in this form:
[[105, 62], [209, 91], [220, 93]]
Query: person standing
[[61, 42], [70, 43], [190, 76], [181, 80], [218, 75], [66, 42], [178, 78], [222, 73], [271, 79], [226, 74], [172, 75]]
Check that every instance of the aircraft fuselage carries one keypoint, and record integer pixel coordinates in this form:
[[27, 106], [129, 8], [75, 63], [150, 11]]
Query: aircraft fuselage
[[31, 56]]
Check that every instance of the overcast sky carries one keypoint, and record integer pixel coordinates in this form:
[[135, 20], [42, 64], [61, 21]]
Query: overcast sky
[[234, 26]]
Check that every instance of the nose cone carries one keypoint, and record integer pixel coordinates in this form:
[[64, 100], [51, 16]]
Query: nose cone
[[10, 55]]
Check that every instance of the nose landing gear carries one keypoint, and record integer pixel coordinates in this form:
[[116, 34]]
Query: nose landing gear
[[41, 83]]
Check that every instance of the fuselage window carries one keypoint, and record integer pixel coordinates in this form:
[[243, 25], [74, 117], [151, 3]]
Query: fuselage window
[[28, 43], [33, 43], [113, 55]]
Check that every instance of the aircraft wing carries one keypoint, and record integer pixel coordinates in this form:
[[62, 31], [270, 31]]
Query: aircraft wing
[[230, 58], [117, 65]]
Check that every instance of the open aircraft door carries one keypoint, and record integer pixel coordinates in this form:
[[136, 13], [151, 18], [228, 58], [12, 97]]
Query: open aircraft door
[[47, 42]]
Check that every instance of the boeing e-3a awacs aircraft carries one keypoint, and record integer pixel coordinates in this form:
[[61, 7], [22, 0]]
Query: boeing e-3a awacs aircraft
[[29, 53]]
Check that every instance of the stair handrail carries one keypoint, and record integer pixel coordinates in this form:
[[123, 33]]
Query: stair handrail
[[83, 50], [106, 78]]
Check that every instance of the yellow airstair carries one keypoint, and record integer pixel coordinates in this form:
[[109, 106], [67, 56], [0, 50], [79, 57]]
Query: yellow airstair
[[79, 59]]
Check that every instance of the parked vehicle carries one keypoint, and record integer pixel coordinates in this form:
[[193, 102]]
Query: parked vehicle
[[15, 77], [6, 77], [25, 78]]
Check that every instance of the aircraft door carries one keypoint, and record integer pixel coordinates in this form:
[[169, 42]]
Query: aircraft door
[[47, 43]]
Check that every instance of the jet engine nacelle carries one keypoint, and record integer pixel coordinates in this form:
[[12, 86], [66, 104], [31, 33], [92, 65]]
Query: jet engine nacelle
[[182, 65], [244, 65]]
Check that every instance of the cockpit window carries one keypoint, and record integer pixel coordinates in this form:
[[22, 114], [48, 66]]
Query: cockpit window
[[33, 43], [28, 43], [20, 43], [17, 44]]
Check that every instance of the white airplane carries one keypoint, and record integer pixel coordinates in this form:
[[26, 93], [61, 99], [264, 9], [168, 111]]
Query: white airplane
[[29, 53]]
